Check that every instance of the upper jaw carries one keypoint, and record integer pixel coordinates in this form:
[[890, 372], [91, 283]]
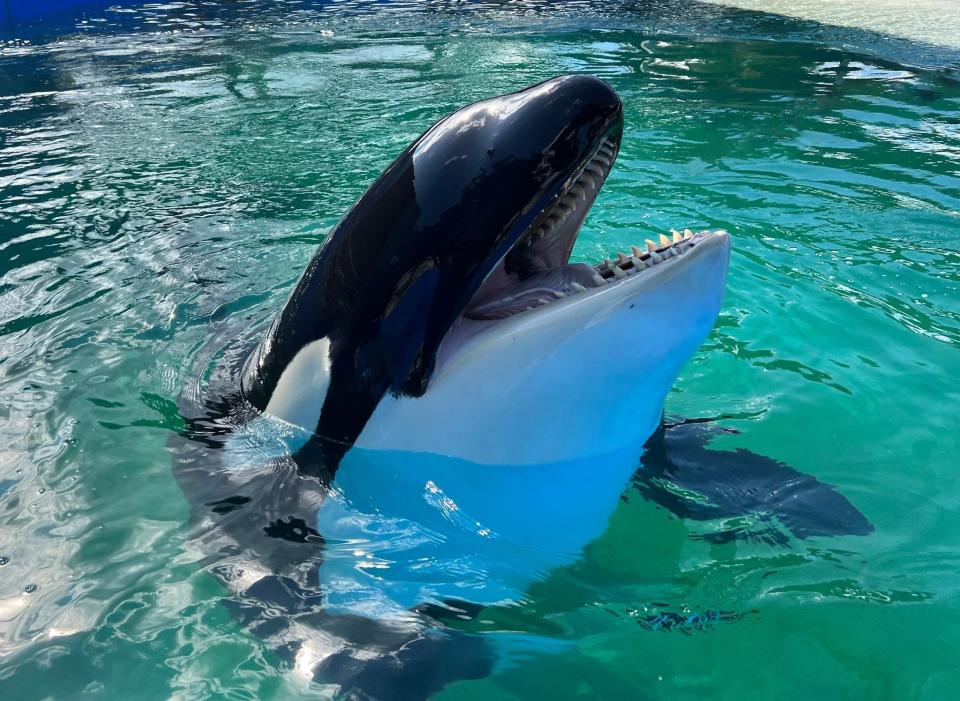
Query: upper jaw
[[536, 269], [551, 238], [536, 272]]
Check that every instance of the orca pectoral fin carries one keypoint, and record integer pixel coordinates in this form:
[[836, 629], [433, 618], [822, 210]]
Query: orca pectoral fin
[[760, 496]]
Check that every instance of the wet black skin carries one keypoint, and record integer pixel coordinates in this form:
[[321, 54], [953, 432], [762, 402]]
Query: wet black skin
[[399, 268]]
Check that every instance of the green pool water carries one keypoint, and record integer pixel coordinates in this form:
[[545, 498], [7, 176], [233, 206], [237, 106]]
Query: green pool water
[[166, 173]]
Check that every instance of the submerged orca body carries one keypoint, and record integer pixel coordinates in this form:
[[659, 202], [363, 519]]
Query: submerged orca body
[[446, 408]]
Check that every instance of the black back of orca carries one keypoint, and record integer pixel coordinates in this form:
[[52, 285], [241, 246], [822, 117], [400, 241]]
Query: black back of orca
[[396, 272]]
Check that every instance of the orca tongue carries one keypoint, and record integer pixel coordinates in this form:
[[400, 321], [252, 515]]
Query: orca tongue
[[538, 289]]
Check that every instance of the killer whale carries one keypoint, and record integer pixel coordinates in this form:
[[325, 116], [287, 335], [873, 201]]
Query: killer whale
[[454, 268], [439, 352]]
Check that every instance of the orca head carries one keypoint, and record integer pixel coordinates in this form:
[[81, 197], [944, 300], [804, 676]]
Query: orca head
[[447, 288]]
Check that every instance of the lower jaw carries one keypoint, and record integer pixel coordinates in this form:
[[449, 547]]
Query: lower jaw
[[579, 380], [573, 279]]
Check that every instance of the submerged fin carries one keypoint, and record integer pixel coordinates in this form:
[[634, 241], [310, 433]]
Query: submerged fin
[[681, 474]]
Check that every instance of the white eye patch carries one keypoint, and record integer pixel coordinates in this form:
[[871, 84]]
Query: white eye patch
[[302, 389]]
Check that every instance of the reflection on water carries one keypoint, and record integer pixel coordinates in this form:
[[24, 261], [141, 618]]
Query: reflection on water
[[159, 194]]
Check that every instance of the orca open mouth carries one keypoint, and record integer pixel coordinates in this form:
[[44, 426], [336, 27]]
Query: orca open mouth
[[537, 271]]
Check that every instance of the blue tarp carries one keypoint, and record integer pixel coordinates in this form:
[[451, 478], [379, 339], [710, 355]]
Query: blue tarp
[[18, 17]]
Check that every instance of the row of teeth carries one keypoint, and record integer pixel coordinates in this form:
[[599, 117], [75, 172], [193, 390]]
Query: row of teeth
[[593, 175], [629, 264], [625, 265]]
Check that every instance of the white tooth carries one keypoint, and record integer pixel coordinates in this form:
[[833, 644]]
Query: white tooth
[[558, 294], [687, 234], [587, 179], [636, 251], [619, 272], [578, 287], [677, 238], [598, 280], [595, 169], [651, 246], [656, 257], [602, 160], [544, 300], [579, 191], [637, 263], [606, 149], [622, 258], [664, 241]]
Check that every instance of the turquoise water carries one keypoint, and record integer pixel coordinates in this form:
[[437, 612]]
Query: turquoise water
[[166, 173]]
